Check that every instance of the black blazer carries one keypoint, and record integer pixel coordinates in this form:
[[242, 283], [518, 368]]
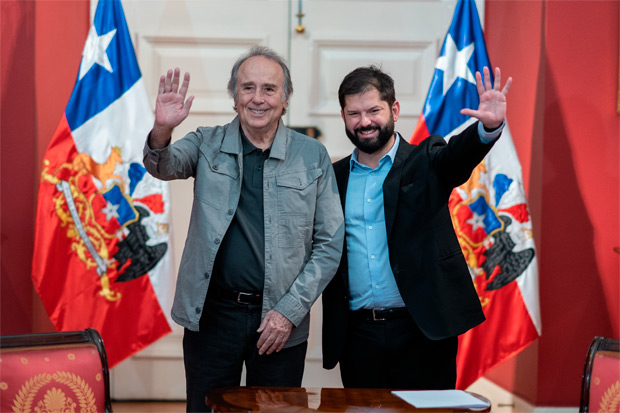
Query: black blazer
[[426, 259]]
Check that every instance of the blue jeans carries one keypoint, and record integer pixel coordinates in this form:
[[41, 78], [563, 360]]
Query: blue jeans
[[214, 356]]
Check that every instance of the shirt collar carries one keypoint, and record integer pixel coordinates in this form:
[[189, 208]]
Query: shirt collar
[[391, 154]]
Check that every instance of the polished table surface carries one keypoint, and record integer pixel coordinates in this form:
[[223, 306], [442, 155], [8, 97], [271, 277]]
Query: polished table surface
[[289, 399]]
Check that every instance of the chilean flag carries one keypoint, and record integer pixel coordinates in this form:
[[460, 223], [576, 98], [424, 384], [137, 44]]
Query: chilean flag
[[489, 212], [102, 257]]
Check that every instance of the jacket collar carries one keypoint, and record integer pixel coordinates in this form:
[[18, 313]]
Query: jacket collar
[[232, 140]]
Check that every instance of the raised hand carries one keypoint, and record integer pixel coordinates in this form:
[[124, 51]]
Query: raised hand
[[171, 107], [492, 108]]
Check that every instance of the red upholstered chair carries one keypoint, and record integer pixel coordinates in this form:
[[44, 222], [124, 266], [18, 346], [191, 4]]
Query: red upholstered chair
[[600, 388], [48, 372]]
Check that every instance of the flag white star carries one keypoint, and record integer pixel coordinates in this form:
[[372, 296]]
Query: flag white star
[[454, 64], [477, 221], [110, 211], [95, 51]]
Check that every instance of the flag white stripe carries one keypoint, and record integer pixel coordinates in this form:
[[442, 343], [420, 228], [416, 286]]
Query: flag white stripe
[[125, 123]]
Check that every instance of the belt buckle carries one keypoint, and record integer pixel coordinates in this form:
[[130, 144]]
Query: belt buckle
[[374, 315], [240, 299]]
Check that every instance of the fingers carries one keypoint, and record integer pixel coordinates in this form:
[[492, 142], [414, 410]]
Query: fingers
[[188, 104], [479, 84], [469, 112], [272, 339], [272, 342], [498, 79], [507, 86], [175, 80], [485, 85], [162, 83], [274, 330], [185, 85], [487, 78], [169, 83]]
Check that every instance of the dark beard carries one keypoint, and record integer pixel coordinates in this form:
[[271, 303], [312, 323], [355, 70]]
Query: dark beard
[[371, 146]]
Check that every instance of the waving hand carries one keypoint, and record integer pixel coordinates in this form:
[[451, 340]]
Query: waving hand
[[492, 108], [171, 107]]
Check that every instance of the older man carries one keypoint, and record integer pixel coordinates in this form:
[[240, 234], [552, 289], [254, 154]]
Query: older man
[[265, 235]]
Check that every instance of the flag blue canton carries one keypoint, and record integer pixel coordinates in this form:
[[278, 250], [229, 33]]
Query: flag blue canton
[[124, 212], [490, 221], [442, 108], [100, 87]]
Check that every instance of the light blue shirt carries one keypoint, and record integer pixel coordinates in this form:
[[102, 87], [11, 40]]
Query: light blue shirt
[[371, 281]]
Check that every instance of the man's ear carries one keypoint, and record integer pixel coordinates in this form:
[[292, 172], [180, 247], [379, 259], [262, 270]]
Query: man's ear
[[395, 110], [342, 114]]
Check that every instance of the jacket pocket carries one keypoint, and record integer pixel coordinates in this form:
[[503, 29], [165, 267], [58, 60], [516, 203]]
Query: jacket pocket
[[213, 179], [297, 192]]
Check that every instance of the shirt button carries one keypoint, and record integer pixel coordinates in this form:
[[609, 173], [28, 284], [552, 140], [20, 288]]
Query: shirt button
[[369, 226], [230, 212], [198, 310], [376, 286], [372, 257], [368, 200], [217, 241]]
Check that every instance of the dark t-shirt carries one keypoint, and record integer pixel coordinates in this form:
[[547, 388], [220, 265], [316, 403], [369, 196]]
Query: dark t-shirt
[[240, 261]]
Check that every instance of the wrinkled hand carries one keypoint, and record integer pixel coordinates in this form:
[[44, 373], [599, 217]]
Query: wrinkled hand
[[171, 107], [274, 332], [492, 108]]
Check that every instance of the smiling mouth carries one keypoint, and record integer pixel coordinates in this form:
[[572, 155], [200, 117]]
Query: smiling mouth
[[366, 131], [258, 112]]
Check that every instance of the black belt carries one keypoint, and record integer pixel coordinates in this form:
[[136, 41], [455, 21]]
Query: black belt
[[237, 296], [381, 314]]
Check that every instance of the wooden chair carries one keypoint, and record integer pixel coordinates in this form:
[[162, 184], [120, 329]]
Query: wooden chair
[[65, 371], [600, 386]]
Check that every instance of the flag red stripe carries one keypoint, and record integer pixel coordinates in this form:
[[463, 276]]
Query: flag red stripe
[[420, 132], [155, 202], [490, 343], [519, 212]]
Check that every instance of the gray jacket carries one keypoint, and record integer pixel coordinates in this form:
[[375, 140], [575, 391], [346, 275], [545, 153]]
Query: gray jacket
[[304, 226]]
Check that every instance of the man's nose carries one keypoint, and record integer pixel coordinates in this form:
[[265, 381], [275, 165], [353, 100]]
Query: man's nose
[[258, 96], [365, 120]]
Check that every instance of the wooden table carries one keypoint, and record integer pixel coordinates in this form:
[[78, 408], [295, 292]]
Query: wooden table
[[285, 399]]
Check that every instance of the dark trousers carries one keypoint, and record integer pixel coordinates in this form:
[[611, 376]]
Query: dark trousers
[[395, 354], [214, 356]]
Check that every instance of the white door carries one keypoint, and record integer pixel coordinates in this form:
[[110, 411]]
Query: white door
[[204, 37]]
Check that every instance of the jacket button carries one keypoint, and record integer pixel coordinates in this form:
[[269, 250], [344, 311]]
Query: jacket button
[[230, 212], [217, 241], [198, 310], [215, 167]]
